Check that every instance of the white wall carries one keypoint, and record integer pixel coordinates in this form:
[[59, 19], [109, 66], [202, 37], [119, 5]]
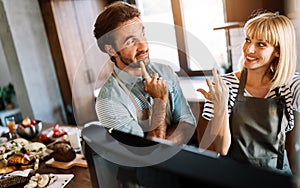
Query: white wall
[[4, 72], [26, 49]]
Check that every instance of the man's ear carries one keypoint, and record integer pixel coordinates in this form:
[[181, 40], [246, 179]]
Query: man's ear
[[110, 50]]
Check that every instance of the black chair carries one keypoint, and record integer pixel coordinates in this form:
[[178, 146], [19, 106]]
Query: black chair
[[187, 167]]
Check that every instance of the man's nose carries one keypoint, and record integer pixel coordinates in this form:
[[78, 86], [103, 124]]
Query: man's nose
[[142, 45]]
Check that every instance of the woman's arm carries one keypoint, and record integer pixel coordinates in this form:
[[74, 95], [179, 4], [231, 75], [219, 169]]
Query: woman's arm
[[217, 132]]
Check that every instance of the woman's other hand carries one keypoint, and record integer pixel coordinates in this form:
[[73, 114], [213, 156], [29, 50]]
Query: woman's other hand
[[218, 90]]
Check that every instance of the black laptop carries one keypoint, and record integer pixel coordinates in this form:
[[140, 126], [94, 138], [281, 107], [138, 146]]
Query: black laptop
[[118, 159]]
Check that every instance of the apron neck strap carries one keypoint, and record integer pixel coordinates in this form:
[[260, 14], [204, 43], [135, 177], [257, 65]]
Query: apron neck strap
[[126, 90], [243, 79]]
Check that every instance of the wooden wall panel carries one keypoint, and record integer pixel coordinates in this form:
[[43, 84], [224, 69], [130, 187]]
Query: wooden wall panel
[[79, 55], [240, 10], [69, 35]]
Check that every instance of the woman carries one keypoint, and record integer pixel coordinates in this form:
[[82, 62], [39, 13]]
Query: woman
[[251, 110]]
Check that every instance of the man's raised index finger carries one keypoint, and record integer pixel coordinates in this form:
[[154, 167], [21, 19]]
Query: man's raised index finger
[[144, 71]]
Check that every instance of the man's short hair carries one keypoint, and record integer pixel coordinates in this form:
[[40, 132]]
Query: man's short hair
[[108, 20]]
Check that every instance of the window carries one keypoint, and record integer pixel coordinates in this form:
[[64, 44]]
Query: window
[[157, 17], [193, 47]]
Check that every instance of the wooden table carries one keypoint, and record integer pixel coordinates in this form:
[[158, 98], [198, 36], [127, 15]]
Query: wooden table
[[81, 174]]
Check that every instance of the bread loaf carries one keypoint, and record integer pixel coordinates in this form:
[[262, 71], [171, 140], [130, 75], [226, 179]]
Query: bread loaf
[[63, 152]]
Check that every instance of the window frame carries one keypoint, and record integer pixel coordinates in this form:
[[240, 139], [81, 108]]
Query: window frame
[[180, 40], [181, 44]]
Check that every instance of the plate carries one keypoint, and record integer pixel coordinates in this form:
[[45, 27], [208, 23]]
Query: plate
[[49, 132], [62, 180]]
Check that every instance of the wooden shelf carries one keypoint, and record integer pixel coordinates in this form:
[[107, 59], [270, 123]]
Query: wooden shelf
[[230, 25]]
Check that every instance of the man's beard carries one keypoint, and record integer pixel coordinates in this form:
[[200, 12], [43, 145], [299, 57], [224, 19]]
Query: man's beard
[[135, 64]]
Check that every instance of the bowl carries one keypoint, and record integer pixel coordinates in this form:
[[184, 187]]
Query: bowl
[[31, 131]]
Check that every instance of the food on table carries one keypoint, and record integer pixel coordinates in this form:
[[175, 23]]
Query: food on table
[[23, 146], [63, 152], [11, 125], [7, 169], [58, 131], [38, 149], [33, 165], [27, 122], [35, 147], [31, 184], [45, 138], [13, 146], [20, 154], [18, 162], [2, 149], [9, 148], [55, 132], [41, 180], [29, 128], [21, 141], [18, 159]]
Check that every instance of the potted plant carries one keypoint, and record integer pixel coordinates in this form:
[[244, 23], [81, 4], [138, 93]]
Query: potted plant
[[2, 105], [6, 94]]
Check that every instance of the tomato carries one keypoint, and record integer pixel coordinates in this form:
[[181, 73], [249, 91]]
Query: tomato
[[59, 133], [44, 138], [56, 128], [56, 134], [21, 127]]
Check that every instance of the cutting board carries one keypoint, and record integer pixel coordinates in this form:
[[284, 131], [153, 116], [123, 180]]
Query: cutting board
[[78, 161]]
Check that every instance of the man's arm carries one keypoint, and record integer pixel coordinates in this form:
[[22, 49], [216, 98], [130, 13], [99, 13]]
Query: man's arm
[[157, 89], [158, 120], [180, 133]]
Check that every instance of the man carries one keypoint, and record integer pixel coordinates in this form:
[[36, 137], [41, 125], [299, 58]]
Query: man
[[140, 97]]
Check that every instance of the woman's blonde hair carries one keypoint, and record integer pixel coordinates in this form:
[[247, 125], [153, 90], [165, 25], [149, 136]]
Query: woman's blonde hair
[[279, 31]]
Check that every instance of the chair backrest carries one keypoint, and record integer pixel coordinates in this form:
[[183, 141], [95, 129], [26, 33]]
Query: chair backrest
[[201, 168]]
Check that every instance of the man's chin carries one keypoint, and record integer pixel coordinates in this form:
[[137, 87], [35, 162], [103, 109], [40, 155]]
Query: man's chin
[[146, 61], [134, 65], [137, 63]]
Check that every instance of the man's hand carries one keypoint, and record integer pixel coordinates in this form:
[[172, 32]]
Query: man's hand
[[157, 89], [155, 86]]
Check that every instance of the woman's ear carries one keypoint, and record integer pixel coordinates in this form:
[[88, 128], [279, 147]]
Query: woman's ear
[[110, 50], [277, 53]]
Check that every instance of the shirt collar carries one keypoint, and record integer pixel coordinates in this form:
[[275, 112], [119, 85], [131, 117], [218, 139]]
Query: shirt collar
[[125, 77]]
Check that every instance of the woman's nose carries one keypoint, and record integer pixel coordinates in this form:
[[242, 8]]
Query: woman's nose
[[251, 48]]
